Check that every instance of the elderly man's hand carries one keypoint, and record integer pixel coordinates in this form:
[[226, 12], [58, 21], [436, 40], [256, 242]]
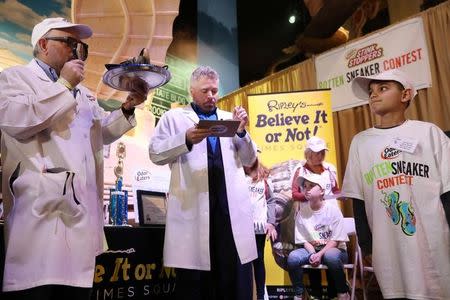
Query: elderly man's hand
[[133, 100], [138, 94], [73, 72]]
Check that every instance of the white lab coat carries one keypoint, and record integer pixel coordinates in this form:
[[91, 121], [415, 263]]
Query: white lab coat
[[54, 211], [186, 243]]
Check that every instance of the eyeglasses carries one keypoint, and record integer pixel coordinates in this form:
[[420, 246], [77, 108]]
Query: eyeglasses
[[79, 49]]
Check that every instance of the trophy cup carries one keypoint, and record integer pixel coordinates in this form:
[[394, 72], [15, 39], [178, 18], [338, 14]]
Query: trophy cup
[[118, 206]]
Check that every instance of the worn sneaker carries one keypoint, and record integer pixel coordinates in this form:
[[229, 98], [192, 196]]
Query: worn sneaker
[[343, 296]]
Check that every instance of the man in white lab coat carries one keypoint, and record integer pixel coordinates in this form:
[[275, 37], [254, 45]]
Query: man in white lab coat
[[209, 229], [53, 132]]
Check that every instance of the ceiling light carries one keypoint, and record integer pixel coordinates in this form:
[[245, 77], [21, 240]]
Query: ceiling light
[[292, 19]]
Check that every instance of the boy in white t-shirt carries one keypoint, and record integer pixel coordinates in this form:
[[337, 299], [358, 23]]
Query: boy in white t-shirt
[[319, 229], [398, 175]]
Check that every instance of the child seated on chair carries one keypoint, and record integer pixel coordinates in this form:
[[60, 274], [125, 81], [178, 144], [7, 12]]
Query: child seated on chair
[[319, 229]]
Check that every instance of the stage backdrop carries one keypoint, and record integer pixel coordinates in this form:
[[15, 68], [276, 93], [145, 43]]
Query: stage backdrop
[[280, 124]]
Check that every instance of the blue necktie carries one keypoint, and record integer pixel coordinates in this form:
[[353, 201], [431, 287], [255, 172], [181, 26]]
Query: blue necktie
[[211, 139]]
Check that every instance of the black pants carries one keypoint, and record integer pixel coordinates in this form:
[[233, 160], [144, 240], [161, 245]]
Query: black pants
[[50, 292], [228, 278], [259, 267]]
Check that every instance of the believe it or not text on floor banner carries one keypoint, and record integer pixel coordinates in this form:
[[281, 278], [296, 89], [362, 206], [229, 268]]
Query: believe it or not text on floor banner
[[280, 124]]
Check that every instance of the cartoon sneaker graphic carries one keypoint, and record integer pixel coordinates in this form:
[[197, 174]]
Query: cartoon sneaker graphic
[[391, 201], [408, 218]]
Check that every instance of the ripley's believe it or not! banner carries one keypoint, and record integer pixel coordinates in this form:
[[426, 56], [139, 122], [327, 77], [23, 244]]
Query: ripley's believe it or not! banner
[[399, 46], [280, 124]]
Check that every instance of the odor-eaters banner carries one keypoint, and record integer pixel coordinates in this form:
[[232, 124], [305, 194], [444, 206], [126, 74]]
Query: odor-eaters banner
[[280, 124]]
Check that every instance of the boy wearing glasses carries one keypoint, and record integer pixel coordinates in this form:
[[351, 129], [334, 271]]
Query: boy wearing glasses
[[53, 132]]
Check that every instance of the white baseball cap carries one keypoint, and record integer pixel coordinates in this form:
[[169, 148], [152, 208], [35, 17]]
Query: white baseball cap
[[360, 85], [316, 144], [40, 29], [312, 177]]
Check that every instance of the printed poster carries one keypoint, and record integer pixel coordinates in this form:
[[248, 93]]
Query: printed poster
[[280, 124], [401, 46]]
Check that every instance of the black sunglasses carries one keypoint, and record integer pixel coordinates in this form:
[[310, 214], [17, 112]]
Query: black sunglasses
[[79, 49]]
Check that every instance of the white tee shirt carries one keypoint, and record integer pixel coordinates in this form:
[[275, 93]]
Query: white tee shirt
[[258, 201], [401, 190], [325, 224]]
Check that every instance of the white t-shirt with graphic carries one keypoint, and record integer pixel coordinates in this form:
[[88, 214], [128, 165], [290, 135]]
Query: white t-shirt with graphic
[[401, 188], [323, 225], [258, 200]]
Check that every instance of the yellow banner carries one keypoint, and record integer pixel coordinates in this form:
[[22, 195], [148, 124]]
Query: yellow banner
[[280, 124]]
